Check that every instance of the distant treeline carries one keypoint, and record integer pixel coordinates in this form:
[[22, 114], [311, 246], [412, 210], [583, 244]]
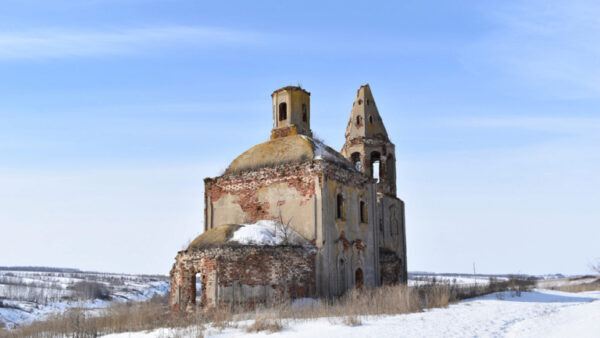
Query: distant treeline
[[38, 269]]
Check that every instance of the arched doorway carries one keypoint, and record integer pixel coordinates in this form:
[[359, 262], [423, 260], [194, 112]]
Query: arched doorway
[[199, 289], [358, 278]]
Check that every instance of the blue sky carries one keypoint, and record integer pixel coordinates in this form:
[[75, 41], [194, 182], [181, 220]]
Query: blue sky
[[112, 112]]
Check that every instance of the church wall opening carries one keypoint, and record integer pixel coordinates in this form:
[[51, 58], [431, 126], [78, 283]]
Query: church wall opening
[[282, 111]]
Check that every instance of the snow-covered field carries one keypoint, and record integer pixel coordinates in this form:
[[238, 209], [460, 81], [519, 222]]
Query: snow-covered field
[[540, 313], [27, 296]]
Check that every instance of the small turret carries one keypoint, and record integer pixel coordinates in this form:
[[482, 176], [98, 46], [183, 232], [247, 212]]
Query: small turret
[[291, 112]]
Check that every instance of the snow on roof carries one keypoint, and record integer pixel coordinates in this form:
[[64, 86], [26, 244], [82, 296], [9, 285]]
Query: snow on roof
[[267, 232], [324, 152]]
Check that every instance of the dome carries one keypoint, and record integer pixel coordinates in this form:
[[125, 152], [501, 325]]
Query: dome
[[217, 236], [290, 149]]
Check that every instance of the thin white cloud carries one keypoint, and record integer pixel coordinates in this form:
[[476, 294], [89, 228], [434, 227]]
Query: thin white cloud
[[60, 43], [552, 45]]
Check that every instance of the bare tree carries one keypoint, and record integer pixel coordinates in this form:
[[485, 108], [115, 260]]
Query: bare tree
[[596, 267], [285, 228]]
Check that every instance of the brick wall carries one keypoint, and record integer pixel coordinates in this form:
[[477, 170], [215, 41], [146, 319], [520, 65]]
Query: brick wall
[[243, 275]]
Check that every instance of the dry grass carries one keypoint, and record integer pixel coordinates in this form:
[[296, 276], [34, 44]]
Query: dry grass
[[583, 287], [352, 321], [265, 323], [350, 309]]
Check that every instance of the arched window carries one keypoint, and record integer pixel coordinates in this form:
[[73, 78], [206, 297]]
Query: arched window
[[375, 165], [282, 111], [340, 206], [363, 212], [304, 113], [355, 157], [371, 119], [358, 120]]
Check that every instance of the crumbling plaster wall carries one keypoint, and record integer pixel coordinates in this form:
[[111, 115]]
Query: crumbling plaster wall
[[346, 239], [287, 191], [242, 275], [392, 234]]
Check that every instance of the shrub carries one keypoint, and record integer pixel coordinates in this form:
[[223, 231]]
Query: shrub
[[90, 290], [352, 321], [263, 323]]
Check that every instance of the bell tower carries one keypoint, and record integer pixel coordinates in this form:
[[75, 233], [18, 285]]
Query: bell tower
[[367, 143], [291, 112]]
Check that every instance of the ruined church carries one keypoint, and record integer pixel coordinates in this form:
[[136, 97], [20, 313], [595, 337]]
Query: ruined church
[[293, 218]]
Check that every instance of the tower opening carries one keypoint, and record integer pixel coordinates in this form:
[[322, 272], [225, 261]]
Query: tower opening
[[355, 157], [282, 111], [376, 165], [304, 113]]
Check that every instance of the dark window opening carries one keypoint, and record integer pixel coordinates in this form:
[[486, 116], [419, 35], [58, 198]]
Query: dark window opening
[[304, 113], [371, 119], [355, 157], [340, 206], [363, 212], [282, 111], [358, 120], [368, 102], [359, 102]]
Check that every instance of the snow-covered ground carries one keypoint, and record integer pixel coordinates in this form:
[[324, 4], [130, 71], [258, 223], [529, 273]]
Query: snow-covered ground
[[540, 313], [26, 296]]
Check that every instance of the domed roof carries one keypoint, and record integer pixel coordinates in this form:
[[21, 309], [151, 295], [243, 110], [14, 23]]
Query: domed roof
[[217, 236], [290, 149]]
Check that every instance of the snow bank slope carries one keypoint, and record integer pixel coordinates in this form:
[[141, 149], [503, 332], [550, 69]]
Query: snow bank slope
[[27, 296]]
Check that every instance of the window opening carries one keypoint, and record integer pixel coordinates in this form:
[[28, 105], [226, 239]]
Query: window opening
[[355, 157], [363, 212], [198, 288], [304, 113], [282, 111], [340, 206]]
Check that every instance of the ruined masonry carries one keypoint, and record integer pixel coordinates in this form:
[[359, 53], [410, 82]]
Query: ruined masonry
[[341, 207]]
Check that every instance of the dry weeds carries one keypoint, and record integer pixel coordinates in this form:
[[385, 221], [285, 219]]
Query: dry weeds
[[350, 308], [583, 287]]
